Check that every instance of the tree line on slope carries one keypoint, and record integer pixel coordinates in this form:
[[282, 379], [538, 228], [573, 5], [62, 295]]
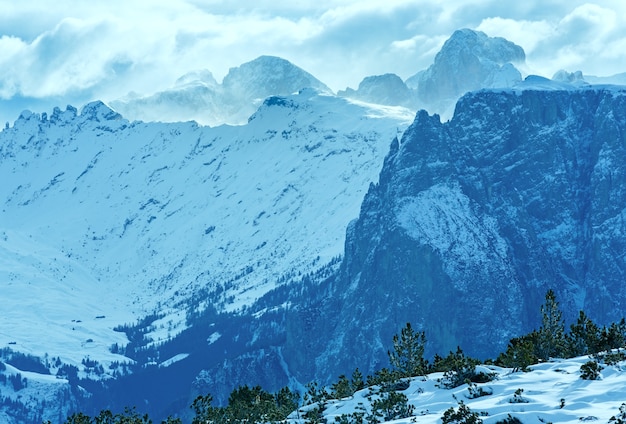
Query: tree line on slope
[[255, 405]]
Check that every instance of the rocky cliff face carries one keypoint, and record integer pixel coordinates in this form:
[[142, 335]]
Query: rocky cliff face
[[473, 220]]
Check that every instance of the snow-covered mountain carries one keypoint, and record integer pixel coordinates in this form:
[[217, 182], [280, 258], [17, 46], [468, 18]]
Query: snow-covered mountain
[[138, 216], [471, 222], [469, 60], [197, 96], [106, 221], [146, 263]]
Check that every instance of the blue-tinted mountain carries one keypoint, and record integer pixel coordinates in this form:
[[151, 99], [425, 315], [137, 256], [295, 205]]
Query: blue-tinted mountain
[[469, 60], [473, 220], [387, 89], [129, 250], [148, 263]]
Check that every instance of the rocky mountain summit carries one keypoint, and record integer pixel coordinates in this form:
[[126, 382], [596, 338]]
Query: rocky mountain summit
[[388, 89], [469, 60]]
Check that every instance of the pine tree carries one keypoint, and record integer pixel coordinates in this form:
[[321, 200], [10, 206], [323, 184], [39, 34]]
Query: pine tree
[[342, 388], [78, 418], [408, 352], [383, 377], [461, 415], [584, 337], [520, 353], [314, 393], [357, 381], [458, 369], [613, 337], [204, 412], [286, 402], [551, 341], [391, 406]]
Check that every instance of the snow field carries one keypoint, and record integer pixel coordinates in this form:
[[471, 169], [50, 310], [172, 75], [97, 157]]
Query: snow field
[[551, 392]]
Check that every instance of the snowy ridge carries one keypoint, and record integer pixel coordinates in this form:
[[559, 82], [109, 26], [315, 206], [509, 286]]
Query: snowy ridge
[[551, 392]]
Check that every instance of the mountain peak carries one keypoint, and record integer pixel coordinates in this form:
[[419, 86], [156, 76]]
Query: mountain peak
[[386, 89], [201, 76], [496, 49], [269, 75], [98, 111], [198, 96], [469, 60]]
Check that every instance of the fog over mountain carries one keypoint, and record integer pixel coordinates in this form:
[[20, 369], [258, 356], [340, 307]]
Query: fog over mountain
[[197, 96]]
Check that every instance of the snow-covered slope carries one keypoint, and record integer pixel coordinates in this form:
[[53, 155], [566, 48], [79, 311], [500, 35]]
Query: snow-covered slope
[[104, 221], [551, 392]]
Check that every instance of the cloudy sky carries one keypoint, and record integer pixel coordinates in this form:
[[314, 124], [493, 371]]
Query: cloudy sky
[[73, 51]]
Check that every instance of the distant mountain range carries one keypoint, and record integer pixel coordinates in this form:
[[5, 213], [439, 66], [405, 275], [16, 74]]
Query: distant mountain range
[[468, 61]]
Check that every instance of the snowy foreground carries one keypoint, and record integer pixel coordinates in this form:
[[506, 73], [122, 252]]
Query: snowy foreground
[[552, 392]]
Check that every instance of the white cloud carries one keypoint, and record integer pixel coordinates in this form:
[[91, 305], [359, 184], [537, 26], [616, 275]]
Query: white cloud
[[527, 34], [590, 37], [78, 50], [421, 47]]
